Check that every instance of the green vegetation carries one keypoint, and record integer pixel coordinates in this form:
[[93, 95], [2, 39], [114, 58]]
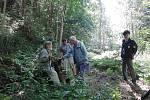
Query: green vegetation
[[108, 92], [108, 64], [24, 84], [26, 24]]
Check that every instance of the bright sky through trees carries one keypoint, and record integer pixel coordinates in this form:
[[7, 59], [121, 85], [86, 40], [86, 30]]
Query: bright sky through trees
[[114, 10]]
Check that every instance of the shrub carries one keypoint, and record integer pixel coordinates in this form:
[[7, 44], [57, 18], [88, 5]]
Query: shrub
[[108, 92], [105, 63]]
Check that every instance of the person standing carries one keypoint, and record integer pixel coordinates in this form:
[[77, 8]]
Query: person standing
[[67, 55], [129, 49], [80, 56], [45, 56]]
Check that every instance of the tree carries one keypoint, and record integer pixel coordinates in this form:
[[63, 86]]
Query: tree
[[4, 15]]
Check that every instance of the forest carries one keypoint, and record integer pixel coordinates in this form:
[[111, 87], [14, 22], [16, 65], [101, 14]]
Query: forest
[[26, 24]]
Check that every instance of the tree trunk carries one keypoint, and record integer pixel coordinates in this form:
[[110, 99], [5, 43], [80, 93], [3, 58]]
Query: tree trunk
[[26, 14], [132, 25], [57, 27], [62, 21], [50, 18], [35, 6], [100, 26], [23, 7], [62, 28], [4, 14]]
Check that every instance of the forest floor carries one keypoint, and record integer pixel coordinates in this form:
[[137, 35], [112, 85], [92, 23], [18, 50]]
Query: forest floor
[[101, 83], [97, 79], [128, 91]]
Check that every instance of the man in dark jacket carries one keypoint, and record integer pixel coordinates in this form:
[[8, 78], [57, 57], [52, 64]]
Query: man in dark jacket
[[129, 49]]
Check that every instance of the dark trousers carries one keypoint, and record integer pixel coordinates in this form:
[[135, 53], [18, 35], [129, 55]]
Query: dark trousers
[[127, 65]]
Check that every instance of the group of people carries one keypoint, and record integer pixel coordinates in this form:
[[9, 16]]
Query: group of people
[[74, 57]]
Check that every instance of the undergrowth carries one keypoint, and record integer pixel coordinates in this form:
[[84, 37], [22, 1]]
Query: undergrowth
[[24, 85], [108, 92], [109, 65]]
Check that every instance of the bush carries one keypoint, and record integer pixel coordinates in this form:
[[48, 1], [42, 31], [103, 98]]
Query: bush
[[25, 86], [4, 97], [108, 92], [107, 64]]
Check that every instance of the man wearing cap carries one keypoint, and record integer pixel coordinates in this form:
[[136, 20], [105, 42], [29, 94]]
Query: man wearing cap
[[129, 49], [45, 62]]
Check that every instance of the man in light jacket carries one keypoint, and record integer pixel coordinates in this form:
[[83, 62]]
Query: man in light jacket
[[45, 62], [80, 55]]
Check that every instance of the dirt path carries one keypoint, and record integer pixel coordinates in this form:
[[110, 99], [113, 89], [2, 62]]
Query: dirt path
[[128, 91]]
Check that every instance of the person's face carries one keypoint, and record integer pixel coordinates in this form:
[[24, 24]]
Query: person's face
[[49, 46], [65, 42], [72, 42], [127, 36]]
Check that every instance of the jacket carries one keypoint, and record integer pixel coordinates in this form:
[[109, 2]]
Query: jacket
[[67, 50], [80, 53], [129, 49]]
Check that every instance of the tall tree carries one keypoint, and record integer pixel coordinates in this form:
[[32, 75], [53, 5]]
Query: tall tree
[[4, 15]]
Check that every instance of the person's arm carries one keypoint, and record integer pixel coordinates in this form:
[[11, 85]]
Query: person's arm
[[68, 51], [83, 49]]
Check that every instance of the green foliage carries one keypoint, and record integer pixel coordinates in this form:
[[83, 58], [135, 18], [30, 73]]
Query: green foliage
[[138, 68], [36, 21], [148, 78], [143, 36], [143, 70], [109, 71], [77, 21], [29, 87], [108, 92], [31, 25], [4, 97], [78, 91], [143, 39], [109, 64]]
